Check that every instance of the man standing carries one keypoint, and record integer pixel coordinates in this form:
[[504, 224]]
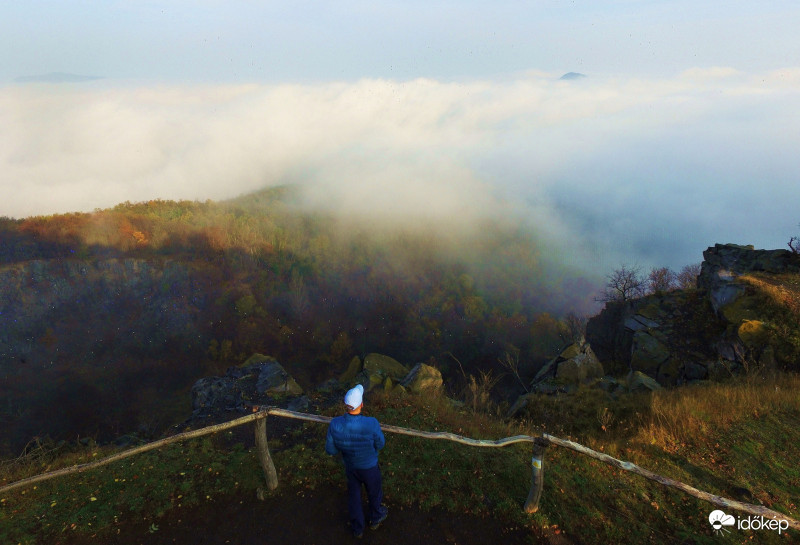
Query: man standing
[[359, 438]]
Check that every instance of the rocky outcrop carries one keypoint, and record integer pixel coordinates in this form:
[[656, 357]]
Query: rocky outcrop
[[722, 263], [261, 380], [575, 365], [739, 259], [687, 335], [380, 371], [272, 377]]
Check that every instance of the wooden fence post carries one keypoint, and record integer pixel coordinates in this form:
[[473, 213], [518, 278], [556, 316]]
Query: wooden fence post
[[263, 453], [537, 475]]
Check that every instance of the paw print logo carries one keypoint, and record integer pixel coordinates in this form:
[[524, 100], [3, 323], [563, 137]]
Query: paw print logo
[[719, 520]]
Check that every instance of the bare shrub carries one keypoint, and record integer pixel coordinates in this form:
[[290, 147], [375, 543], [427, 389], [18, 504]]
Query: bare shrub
[[605, 418], [572, 328], [624, 284], [687, 278], [477, 393], [794, 245], [510, 361], [661, 280]]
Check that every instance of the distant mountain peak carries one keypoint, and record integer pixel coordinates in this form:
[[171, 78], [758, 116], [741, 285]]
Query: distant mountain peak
[[56, 77], [573, 75]]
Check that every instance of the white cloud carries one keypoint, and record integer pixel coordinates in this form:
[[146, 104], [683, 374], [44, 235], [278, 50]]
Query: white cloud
[[581, 159]]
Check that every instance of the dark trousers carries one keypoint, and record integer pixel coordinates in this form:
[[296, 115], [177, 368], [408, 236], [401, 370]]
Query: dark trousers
[[371, 479]]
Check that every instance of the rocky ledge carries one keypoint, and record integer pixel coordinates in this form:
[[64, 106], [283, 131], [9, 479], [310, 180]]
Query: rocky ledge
[[685, 335]]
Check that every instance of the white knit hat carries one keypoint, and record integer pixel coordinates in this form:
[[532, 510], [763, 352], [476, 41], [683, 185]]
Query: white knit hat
[[354, 396]]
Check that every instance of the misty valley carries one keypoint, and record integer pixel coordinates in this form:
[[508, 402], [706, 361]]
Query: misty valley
[[108, 318]]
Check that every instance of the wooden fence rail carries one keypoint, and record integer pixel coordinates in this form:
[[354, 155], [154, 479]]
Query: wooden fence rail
[[531, 504]]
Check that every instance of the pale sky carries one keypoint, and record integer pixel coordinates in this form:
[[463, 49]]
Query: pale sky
[[683, 134], [299, 41]]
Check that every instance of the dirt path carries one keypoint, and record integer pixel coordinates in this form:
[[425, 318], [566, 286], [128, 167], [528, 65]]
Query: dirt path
[[313, 517]]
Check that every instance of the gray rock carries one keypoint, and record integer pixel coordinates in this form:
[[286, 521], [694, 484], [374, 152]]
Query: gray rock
[[254, 383], [607, 384], [519, 404], [548, 370], [648, 353], [574, 365], [694, 371], [639, 382], [206, 392], [378, 367], [580, 368], [724, 293], [638, 322], [656, 334], [330, 385], [422, 378], [299, 404], [353, 368], [549, 387]]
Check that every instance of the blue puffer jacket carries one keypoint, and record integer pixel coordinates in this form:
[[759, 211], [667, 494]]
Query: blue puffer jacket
[[358, 438]]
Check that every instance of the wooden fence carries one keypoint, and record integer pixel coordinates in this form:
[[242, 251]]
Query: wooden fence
[[531, 505]]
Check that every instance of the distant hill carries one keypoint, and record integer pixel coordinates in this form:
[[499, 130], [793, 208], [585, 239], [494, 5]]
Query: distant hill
[[56, 77], [572, 75]]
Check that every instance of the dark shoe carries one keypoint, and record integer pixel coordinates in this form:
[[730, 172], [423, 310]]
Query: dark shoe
[[357, 535], [375, 523]]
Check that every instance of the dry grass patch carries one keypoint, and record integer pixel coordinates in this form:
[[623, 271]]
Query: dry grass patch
[[781, 289], [693, 414]]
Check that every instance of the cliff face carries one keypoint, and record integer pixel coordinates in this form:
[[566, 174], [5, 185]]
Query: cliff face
[[56, 310], [686, 335], [97, 341]]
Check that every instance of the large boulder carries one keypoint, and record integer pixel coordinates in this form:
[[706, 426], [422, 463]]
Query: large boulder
[[574, 365], [609, 337], [352, 370], [378, 367], [753, 333], [580, 368], [693, 370], [273, 379], [261, 380], [422, 378]]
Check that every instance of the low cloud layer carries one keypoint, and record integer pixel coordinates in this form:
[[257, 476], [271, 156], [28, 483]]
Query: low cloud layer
[[610, 170]]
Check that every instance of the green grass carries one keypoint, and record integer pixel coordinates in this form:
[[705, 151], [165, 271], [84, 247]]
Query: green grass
[[583, 499], [143, 487]]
